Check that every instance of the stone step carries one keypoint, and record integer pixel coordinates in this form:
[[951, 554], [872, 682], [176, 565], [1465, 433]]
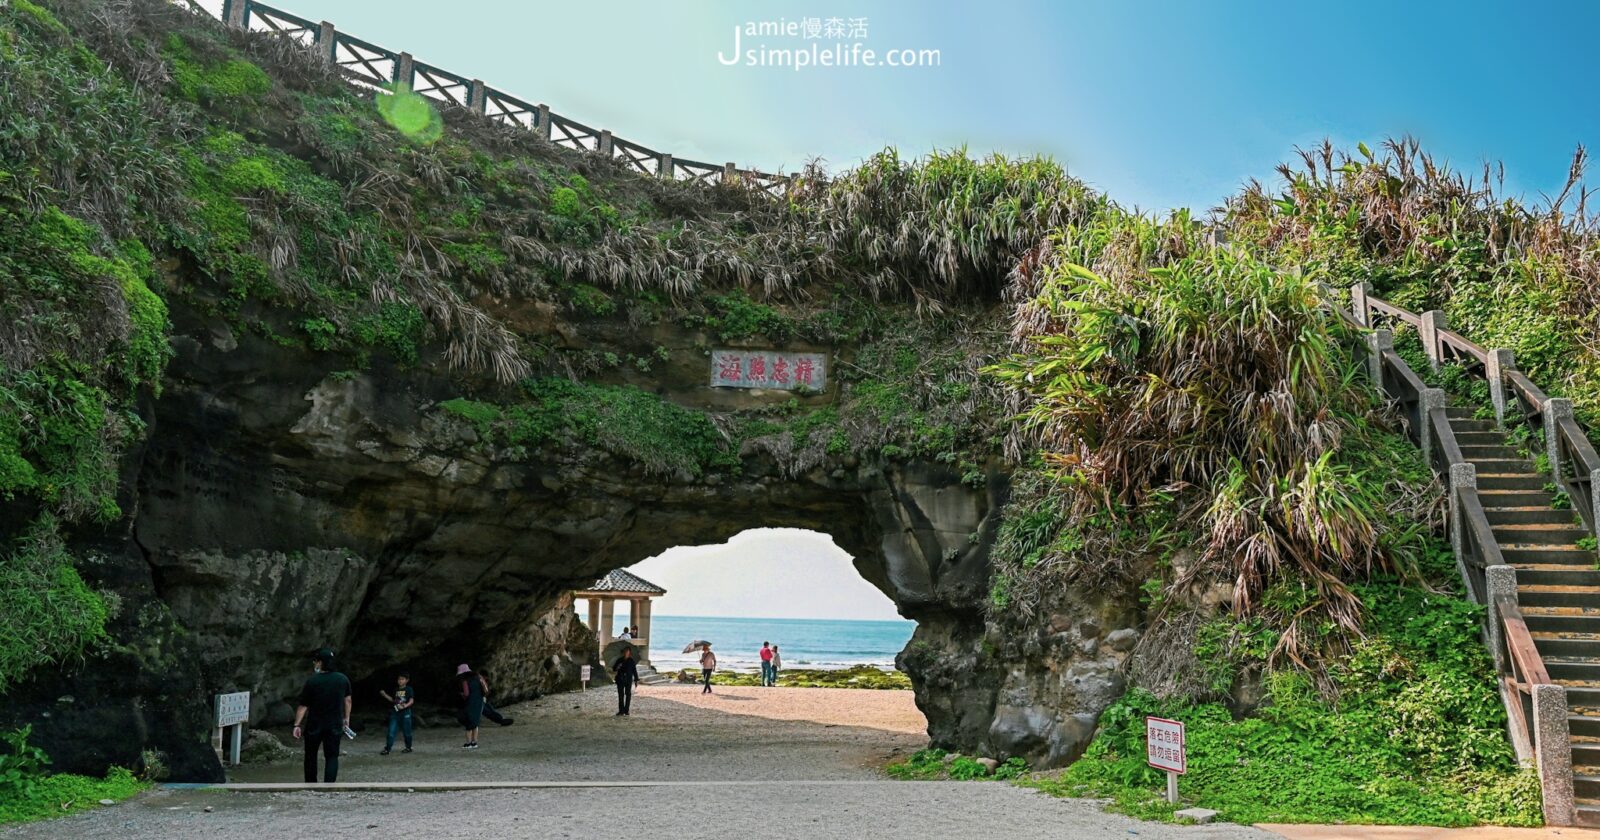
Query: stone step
[[1558, 596], [1548, 555], [1491, 438], [1530, 515], [1510, 481], [1568, 534], [1584, 726], [1588, 815], [1516, 498], [1561, 621], [1557, 575], [1492, 451], [1455, 412], [1459, 425], [1585, 753], [1580, 694], [1564, 668], [1514, 465]]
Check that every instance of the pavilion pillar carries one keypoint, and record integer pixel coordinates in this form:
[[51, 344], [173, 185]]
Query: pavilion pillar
[[594, 617], [607, 620], [644, 628]]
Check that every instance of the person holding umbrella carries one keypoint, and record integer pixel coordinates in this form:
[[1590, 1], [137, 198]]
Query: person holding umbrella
[[708, 663]]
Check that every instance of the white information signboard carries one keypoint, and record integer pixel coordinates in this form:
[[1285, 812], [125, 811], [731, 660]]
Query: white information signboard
[[585, 677], [769, 369], [232, 711], [1164, 751]]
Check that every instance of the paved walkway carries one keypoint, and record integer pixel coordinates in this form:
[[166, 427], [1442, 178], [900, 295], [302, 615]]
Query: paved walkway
[[743, 762]]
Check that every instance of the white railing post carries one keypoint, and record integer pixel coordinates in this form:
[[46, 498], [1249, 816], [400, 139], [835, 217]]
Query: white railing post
[[1427, 401], [1499, 363], [1552, 738], [327, 39], [1556, 409], [1498, 582], [1433, 322], [405, 70], [1358, 302], [1378, 343], [234, 13]]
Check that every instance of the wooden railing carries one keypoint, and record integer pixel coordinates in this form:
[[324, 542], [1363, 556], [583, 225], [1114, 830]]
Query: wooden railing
[[1526, 688], [372, 67]]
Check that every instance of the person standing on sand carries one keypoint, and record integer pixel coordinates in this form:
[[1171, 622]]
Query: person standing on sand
[[627, 671], [777, 664], [708, 663], [473, 690], [766, 664], [324, 709]]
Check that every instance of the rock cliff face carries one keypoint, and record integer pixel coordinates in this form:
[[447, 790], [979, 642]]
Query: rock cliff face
[[280, 504]]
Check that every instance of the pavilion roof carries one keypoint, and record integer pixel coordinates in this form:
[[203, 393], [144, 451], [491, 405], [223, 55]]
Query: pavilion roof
[[622, 581]]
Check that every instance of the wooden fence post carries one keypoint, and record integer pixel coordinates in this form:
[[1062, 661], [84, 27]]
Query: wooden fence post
[[1552, 737], [327, 40], [544, 122], [477, 96], [1499, 363], [1432, 322], [1358, 303], [1556, 409], [405, 70], [1378, 343], [665, 169], [607, 143]]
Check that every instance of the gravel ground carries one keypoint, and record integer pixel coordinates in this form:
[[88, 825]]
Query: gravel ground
[[816, 811]]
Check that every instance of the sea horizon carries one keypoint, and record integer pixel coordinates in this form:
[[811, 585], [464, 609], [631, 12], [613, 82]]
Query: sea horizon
[[817, 643]]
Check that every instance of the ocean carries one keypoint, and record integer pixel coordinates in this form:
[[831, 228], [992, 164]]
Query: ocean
[[803, 642]]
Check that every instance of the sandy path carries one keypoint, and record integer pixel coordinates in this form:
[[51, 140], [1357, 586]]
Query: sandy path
[[674, 734]]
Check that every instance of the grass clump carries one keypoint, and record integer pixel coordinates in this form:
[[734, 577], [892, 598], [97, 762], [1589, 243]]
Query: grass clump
[[51, 614], [1415, 736], [28, 792]]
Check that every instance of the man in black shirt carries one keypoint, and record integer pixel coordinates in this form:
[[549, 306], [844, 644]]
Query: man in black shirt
[[325, 710], [627, 675]]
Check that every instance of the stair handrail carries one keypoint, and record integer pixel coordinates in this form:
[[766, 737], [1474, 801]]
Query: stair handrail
[[1574, 462], [1530, 697]]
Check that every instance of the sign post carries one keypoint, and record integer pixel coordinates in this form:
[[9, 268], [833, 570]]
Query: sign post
[[233, 712], [584, 676], [1164, 750]]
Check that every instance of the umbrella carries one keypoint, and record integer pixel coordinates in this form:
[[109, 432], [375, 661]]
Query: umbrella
[[694, 645]]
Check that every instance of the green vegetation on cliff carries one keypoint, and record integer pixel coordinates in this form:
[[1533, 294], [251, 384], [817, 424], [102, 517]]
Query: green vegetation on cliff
[[1182, 422]]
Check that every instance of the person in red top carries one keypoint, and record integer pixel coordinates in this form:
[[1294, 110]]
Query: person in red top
[[766, 664]]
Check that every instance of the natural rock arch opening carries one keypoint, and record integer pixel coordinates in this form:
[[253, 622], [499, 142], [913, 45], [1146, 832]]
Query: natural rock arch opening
[[784, 585], [296, 508]]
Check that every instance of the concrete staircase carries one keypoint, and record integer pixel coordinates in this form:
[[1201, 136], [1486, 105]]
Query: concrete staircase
[[648, 675], [1558, 585]]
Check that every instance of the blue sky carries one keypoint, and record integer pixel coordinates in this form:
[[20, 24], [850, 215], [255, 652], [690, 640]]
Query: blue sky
[[1160, 104]]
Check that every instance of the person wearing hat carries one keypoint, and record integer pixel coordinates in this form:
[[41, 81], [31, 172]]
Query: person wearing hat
[[322, 716], [474, 689]]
